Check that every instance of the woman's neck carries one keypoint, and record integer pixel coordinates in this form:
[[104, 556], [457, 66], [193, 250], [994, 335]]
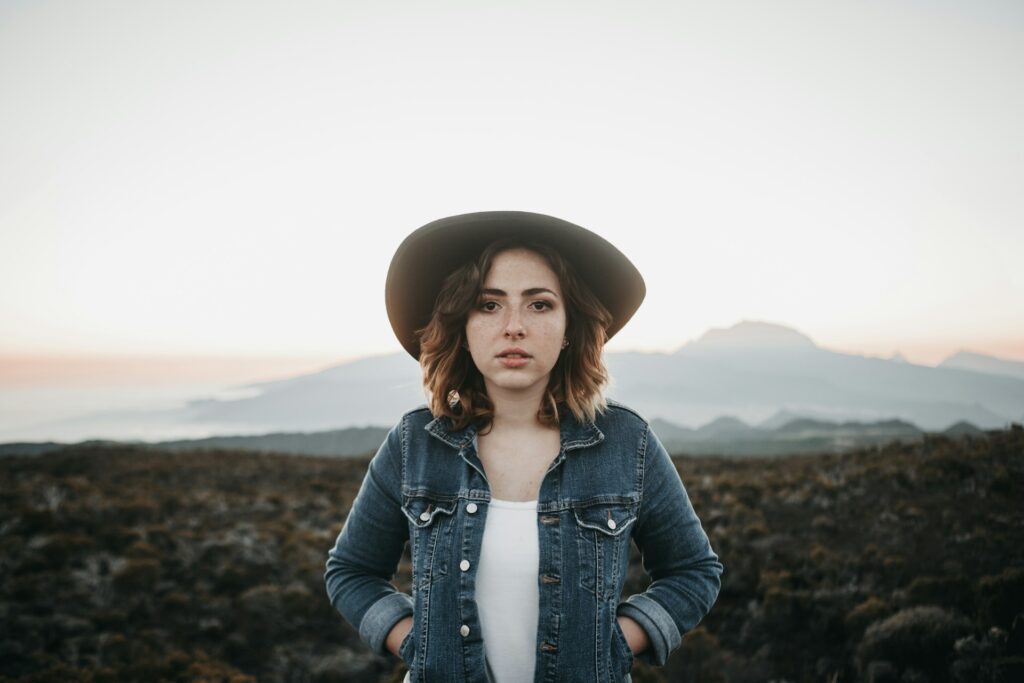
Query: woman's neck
[[515, 412]]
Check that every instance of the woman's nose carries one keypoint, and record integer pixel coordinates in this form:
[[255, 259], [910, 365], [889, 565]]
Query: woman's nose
[[514, 325]]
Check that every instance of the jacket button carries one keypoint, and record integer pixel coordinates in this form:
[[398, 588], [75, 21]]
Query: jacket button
[[471, 508], [425, 516], [611, 524], [464, 630], [464, 565]]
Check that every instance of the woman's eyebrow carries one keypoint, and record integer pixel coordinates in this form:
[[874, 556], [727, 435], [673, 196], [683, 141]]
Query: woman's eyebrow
[[526, 292]]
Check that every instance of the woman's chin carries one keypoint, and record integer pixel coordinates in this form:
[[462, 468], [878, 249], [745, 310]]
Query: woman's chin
[[512, 381]]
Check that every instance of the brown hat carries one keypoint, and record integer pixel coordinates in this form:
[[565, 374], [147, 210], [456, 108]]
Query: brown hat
[[429, 254]]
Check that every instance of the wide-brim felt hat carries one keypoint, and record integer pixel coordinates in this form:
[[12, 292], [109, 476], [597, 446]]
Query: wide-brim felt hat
[[430, 253]]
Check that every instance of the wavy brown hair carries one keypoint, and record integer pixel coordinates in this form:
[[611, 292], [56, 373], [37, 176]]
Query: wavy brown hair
[[451, 380]]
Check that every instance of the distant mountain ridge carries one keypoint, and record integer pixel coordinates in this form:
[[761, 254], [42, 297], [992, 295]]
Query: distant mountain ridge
[[730, 436], [751, 335], [753, 370], [977, 362], [757, 373], [727, 436]]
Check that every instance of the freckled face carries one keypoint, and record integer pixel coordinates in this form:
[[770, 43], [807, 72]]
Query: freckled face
[[521, 307]]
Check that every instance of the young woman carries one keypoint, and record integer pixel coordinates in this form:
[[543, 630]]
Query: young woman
[[518, 485]]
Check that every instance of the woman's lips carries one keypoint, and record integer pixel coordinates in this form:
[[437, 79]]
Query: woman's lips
[[514, 361]]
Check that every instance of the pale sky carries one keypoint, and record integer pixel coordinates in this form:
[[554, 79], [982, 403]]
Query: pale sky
[[232, 178]]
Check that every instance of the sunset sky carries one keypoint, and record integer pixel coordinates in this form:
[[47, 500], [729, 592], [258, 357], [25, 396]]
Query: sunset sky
[[230, 179]]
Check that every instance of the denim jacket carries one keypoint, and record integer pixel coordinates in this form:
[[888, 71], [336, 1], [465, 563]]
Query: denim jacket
[[611, 482]]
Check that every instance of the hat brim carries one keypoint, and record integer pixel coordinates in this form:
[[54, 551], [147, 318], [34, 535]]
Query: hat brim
[[430, 253]]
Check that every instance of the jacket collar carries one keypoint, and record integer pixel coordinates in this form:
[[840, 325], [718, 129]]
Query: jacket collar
[[574, 434]]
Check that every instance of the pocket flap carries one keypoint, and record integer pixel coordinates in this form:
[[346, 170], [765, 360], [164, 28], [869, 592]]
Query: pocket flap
[[422, 511], [608, 518]]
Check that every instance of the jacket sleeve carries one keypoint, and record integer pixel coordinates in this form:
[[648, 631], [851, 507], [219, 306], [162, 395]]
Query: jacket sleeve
[[677, 555], [368, 549]]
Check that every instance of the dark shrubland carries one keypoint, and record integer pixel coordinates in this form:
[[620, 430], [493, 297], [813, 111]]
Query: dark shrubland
[[896, 563]]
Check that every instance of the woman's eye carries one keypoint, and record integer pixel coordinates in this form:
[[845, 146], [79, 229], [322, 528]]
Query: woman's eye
[[543, 305]]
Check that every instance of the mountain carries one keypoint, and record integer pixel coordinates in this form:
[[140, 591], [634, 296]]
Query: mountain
[[778, 419], [723, 436], [753, 370], [750, 371], [669, 431], [729, 436], [725, 428], [752, 335], [808, 427], [753, 373], [354, 441], [368, 391], [978, 362], [963, 428]]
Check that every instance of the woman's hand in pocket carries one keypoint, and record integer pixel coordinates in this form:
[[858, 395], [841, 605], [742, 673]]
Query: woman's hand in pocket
[[636, 636], [398, 633]]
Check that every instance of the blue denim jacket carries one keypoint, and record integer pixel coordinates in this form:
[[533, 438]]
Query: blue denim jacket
[[612, 481]]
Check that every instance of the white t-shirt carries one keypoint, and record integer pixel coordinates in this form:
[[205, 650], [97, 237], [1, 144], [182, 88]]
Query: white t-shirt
[[507, 595]]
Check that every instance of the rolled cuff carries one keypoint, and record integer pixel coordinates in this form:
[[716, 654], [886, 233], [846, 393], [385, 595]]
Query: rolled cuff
[[656, 621], [381, 618]]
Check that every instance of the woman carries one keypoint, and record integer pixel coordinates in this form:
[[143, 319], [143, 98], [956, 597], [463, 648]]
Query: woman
[[518, 486]]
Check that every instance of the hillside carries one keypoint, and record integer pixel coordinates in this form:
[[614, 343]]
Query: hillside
[[898, 563], [723, 436]]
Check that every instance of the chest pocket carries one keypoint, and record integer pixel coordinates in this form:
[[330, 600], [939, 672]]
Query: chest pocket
[[603, 534], [430, 532]]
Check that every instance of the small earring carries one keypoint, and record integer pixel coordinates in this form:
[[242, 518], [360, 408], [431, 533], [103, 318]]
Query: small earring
[[565, 343]]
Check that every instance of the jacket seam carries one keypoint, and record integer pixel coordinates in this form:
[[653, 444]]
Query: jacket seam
[[402, 440], [642, 482]]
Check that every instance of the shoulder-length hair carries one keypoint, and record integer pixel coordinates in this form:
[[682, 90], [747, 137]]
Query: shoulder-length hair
[[451, 380]]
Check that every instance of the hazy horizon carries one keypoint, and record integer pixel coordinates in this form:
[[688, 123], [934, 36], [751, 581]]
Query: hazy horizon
[[74, 398]]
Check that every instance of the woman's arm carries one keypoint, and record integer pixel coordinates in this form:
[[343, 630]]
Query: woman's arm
[[366, 553], [677, 555]]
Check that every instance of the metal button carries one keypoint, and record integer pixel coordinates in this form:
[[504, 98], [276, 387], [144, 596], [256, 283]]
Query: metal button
[[471, 508], [464, 565], [425, 516], [464, 630], [611, 524]]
